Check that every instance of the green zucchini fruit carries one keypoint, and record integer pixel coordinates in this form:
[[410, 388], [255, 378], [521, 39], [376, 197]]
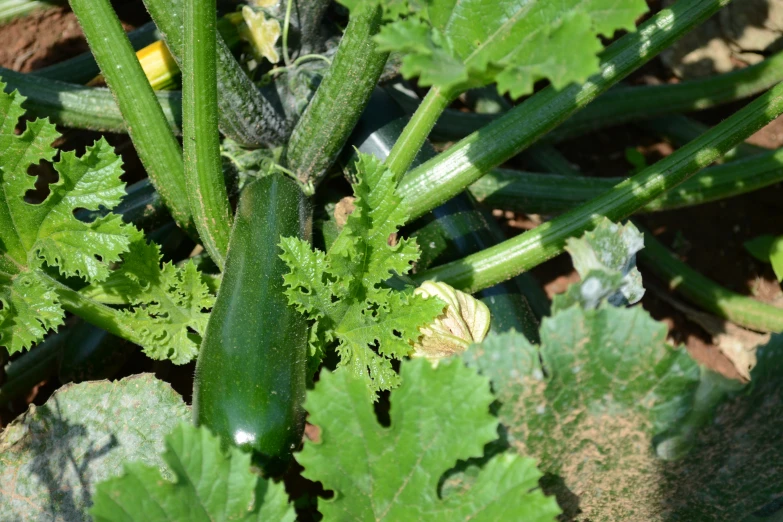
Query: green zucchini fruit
[[251, 371]]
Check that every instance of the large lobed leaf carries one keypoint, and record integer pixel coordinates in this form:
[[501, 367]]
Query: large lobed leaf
[[438, 416], [609, 384], [54, 455], [33, 235], [343, 292], [209, 484], [460, 44], [165, 304]]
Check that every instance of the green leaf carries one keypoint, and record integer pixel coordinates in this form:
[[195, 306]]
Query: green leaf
[[609, 384], [438, 416], [210, 484], [768, 249], [457, 45], [610, 249], [165, 303], [343, 292], [47, 233], [54, 455]]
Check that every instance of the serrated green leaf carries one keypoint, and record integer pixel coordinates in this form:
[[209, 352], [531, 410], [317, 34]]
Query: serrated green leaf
[[210, 484], [609, 385], [343, 290], [165, 302], [457, 45], [438, 416], [29, 310], [54, 455], [32, 235]]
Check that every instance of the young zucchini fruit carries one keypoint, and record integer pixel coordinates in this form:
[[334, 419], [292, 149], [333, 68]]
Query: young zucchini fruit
[[251, 370]]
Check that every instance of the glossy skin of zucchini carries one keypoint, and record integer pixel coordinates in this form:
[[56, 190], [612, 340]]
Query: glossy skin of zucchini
[[251, 370]]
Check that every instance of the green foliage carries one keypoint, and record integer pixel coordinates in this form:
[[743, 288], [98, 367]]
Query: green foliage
[[768, 249], [457, 45], [35, 238], [47, 233], [54, 455], [438, 416], [166, 301], [210, 484], [735, 470], [608, 385], [343, 292], [604, 254]]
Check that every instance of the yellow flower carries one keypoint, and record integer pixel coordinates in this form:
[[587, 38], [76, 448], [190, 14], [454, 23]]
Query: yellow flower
[[261, 33]]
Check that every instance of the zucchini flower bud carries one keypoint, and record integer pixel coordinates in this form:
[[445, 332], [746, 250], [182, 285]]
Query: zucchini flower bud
[[464, 321]]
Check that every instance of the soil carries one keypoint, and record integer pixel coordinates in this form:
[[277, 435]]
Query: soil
[[51, 35]]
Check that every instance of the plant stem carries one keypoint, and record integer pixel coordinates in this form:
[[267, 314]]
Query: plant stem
[[97, 314], [417, 130], [329, 119], [553, 193], [10, 9], [156, 145], [682, 129], [286, 26], [246, 116], [451, 172], [83, 68], [525, 251], [203, 166], [627, 103], [704, 292]]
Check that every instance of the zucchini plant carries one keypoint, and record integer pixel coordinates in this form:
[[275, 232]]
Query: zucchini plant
[[304, 236]]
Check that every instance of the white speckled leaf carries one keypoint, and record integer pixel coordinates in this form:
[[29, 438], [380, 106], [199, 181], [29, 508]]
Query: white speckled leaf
[[609, 385], [610, 248], [53, 456]]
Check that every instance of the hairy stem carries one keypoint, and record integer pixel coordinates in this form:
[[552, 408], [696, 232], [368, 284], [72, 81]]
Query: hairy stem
[[523, 252], [704, 292], [152, 137], [203, 166], [329, 119], [246, 116], [630, 103], [417, 130], [451, 172], [97, 314], [83, 107], [553, 193], [682, 129]]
